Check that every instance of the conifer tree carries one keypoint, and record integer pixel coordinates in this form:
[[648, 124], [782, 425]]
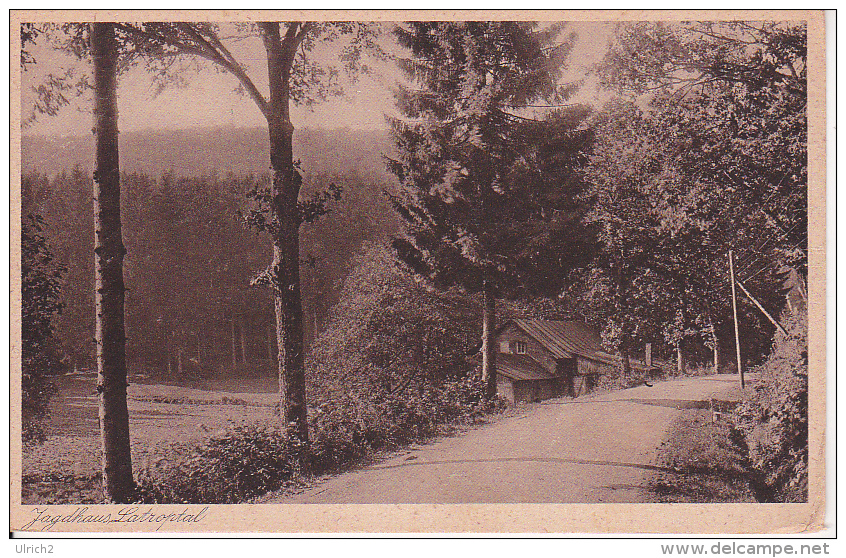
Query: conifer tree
[[485, 187]]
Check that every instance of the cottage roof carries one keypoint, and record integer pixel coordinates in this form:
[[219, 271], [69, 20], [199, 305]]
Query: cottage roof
[[520, 367], [564, 339]]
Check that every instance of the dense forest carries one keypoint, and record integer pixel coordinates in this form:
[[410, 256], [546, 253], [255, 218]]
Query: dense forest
[[190, 254]]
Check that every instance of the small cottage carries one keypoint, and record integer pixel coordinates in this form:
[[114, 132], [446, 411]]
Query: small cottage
[[542, 359]]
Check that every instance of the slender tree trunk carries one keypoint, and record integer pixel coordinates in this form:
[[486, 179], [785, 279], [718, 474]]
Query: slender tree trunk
[[285, 267], [243, 337], [489, 341], [179, 367], [621, 289], [232, 337], [626, 362], [716, 346], [680, 363], [109, 251]]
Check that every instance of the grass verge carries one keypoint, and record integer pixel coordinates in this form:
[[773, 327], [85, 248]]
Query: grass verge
[[707, 462]]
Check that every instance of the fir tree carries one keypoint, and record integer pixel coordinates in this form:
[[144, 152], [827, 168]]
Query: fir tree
[[486, 188]]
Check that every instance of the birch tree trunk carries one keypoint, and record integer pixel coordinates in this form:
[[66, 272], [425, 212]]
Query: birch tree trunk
[[109, 251], [489, 342], [680, 363], [716, 346], [242, 331], [232, 338], [285, 266]]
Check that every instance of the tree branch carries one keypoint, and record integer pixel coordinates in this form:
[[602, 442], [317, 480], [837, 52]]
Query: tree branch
[[203, 49]]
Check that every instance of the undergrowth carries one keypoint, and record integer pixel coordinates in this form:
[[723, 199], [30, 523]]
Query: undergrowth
[[247, 461]]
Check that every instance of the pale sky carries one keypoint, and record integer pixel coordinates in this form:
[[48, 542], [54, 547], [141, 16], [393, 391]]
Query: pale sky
[[210, 100]]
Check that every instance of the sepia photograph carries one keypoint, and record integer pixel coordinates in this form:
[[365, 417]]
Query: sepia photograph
[[448, 265]]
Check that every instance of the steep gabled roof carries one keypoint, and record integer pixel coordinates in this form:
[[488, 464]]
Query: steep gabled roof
[[521, 367], [564, 339]]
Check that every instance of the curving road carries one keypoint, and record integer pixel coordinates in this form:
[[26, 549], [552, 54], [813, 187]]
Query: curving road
[[598, 448]]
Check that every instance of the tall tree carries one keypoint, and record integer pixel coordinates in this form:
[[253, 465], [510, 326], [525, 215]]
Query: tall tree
[[664, 229], [293, 74], [742, 88], [471, 161], [109, 251]]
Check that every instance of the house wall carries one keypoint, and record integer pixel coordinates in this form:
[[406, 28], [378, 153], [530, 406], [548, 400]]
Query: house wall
[[544, 389], [533, 348], [529, 391], [586, 366], [505, 388], [525, 391]]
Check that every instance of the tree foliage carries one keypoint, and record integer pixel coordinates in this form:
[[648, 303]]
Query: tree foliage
[[738, 90], [484, 186], [712, 158], [191, 258], [775, 420], [40, 303], [389, 333], [664, 234], [487, 192]]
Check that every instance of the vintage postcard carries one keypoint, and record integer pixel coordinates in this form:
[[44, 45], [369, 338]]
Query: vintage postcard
[[418, 272]]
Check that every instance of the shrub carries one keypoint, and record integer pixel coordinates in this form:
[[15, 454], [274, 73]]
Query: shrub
[[247, 461], [390, 369], [241, 463], [774, 421], [40, 303]]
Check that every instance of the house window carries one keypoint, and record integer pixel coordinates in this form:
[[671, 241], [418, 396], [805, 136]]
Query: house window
[[520, 347]]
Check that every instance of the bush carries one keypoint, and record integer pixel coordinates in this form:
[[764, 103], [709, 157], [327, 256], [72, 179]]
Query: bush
[[40, 303], [774, 421], [390, 369], [241, 463], [247, 461]]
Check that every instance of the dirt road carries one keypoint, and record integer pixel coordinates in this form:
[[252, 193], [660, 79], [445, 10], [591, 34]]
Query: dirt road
[[599, 448]]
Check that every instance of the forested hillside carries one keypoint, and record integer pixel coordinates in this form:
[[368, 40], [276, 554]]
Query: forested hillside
[[191, 256], [202, 151]]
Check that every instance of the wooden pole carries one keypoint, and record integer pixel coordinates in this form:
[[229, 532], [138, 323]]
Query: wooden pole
[[736, 329], [761, 308]]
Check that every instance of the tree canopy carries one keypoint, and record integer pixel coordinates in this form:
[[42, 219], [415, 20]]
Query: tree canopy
[[709, 156], [478, 177]]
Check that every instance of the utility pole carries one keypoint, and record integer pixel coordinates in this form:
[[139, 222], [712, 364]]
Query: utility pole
[[734, 309]]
